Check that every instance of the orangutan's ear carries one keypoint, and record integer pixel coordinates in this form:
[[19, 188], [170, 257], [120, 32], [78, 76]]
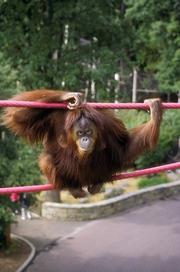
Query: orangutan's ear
[[102, 145], [62, 141]]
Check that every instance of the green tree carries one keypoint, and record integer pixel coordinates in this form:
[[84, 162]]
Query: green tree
[[157, 42], [66, 44], [17, 163], [9, 83]]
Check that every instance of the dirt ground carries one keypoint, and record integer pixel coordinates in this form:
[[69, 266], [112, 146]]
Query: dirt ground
[[11, 259]]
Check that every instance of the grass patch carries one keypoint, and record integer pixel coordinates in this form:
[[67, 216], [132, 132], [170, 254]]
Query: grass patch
[[152, 181]]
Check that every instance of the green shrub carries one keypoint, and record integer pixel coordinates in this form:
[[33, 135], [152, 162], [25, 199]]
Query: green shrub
[[152, 181], [9, 155], [18, 166], [167, 144]]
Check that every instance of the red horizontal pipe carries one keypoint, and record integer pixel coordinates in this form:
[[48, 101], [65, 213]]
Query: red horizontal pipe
[[148, 171], [132, 105], [47, 187], [26, 189], [30, 104]]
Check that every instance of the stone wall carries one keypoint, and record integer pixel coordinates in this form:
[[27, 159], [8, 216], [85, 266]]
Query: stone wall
[[110, 206]]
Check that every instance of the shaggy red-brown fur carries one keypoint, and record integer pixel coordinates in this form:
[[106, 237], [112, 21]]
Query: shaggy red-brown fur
[[115, 147]]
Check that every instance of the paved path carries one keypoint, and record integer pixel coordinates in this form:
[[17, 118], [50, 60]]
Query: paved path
[[146, 239]]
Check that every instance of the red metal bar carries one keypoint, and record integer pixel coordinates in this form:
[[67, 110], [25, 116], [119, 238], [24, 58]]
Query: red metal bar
[[47, 187], [30, 104]]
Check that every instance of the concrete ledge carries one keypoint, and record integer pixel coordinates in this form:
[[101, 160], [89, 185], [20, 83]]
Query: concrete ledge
[[31, 255], [110, 206]]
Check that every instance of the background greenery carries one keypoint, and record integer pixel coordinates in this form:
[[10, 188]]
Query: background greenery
[[167, 147], [152, 181], [70, 43], [81, 45]]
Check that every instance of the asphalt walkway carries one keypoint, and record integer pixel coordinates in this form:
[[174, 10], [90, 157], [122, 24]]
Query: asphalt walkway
[[145, 239]]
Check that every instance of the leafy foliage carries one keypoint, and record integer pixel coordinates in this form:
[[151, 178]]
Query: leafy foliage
[[157, 39], [168, 140], [18, 165], [152, 181], [66, 43], [9, 83], [72, 43]]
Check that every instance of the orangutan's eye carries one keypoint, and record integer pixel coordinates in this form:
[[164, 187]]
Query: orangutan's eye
[[89, 132], [80, 133]]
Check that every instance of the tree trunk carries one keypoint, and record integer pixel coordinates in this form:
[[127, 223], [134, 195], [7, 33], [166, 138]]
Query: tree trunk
[[134, 90], [5, 235]]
